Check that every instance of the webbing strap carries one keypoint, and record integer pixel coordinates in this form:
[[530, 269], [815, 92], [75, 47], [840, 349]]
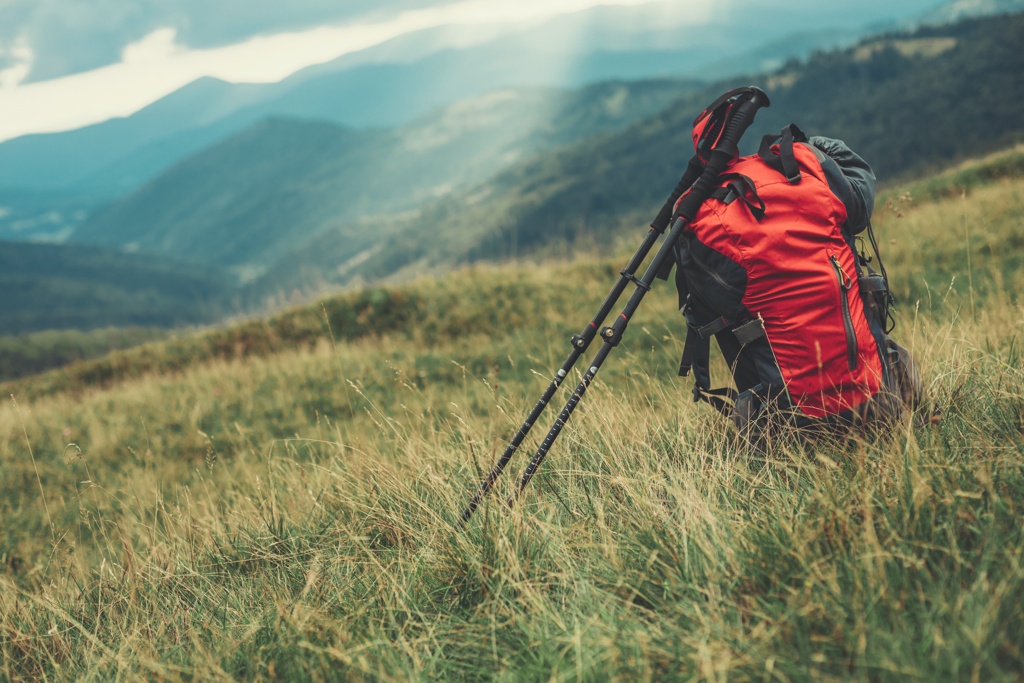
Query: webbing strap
[[740, 187], [784, 161], [714, 327], [689, 349], [696, 356], [721, 400]]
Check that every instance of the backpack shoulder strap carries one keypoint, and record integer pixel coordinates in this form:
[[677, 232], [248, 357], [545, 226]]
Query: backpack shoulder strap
[[696, 357], [783, 161]]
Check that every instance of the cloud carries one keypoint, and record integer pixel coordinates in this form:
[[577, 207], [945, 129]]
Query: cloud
[[68, 37], [15, 64], [71, 36], [159, 62]]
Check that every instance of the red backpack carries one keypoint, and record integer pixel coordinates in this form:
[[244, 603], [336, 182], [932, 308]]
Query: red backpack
[[767, 268]]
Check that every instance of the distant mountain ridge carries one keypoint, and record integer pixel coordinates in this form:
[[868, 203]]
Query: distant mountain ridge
[[282, 181], [908, 102]]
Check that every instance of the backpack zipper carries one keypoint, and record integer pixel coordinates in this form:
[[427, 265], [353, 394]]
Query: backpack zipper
[[714, 274], [845, 285]]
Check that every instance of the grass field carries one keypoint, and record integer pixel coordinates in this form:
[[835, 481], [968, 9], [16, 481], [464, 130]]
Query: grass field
[[275, 501]]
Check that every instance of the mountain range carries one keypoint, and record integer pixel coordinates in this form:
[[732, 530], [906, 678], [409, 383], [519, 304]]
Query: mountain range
[[392, 84], [298, 203], [291, 204], [243, 201]]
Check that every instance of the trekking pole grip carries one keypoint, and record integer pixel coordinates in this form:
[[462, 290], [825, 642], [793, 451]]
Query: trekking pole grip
[[725, 150], [741, 120]]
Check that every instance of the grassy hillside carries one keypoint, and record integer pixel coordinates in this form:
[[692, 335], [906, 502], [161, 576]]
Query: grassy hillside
[[35, 352], [48, 286], [275, 500], [959, 230]]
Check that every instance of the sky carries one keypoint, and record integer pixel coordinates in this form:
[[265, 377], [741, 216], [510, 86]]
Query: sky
[[43, 88], [69, 63]]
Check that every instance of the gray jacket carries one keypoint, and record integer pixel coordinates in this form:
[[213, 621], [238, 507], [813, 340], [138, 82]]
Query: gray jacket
[[849, 177]]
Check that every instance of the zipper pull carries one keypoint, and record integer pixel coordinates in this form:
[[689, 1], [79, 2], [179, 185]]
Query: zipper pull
[[844, 281]]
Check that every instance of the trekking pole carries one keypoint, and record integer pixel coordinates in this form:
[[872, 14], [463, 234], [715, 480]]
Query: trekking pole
[[581, 342], [741, 115]]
